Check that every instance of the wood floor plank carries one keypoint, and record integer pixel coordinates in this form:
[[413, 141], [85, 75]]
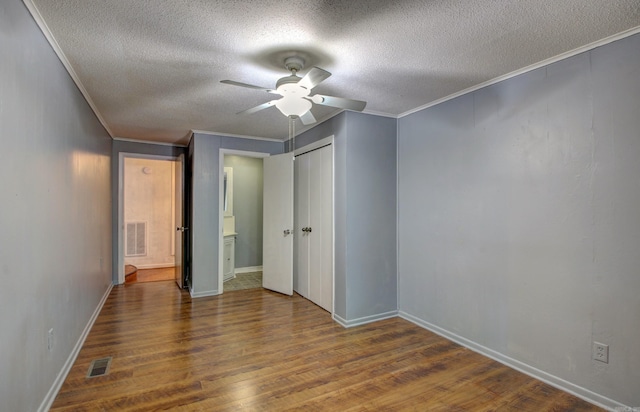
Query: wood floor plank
[[260, 351]]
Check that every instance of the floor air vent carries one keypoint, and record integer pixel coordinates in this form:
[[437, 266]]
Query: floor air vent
[[99, 367]]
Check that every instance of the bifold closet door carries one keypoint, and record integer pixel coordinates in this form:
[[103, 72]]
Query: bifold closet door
[[320, 237], [301, 220], [314, 226]]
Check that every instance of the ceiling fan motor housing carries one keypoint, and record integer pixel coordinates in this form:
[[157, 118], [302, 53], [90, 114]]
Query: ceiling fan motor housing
[[294, 63], [289, 80]]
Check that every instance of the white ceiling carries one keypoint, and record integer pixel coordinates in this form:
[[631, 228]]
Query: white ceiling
[[152, 68]]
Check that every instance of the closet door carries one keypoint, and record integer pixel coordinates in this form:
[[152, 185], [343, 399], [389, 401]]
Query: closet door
[[301, 220], [320, 236], [313, 262]]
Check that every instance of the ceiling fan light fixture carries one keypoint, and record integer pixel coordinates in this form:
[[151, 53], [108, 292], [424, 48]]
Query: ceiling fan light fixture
[[293, 106], [295, 91]]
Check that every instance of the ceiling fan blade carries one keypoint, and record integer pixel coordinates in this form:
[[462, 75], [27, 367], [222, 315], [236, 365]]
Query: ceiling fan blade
[[307, 118], [339, 102], [258, 108], [313, 78], [249, 86]]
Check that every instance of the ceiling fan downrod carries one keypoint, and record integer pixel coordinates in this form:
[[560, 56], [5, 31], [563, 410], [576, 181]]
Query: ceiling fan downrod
[[292, 133]]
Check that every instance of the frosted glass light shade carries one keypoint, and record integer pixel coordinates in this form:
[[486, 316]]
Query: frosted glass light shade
[[293, 106]]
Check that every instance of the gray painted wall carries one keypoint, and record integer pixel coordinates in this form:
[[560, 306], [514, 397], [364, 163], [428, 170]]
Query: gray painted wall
[[247, 208], [371, 215], [123, 146], [55, 241], [204, 151], [518, 218], [365, 212]]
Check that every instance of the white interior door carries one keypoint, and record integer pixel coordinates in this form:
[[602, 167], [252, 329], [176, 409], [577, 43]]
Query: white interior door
[[320, 235], [179, 222], [301, 222], [277, 247]]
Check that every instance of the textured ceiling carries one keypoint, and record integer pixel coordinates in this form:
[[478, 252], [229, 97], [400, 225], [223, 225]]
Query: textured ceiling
[[152, 68]]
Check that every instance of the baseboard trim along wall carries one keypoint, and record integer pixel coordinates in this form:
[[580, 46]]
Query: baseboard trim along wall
[[545, 377], [364, 320], [62, 375], [155, 266], [203, 294], [248, 269]]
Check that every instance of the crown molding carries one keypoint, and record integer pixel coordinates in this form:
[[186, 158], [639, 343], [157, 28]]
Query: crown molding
[[546, 62], [239, 136], [125, 139]]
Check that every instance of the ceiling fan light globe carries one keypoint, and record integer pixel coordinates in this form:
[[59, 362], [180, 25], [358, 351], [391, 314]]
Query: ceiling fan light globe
[[293, 106]]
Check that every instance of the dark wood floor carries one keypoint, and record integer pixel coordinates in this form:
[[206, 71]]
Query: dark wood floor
[[257, 350], [154, 275]]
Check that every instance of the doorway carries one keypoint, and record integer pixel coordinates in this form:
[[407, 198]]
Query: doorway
[[240, 214], [149, 204]]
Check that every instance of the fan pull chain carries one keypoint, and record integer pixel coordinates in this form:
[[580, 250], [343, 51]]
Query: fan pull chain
[[292, 134]]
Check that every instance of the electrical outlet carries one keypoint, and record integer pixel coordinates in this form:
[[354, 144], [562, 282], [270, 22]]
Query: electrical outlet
[[601, 352], [50, 340]]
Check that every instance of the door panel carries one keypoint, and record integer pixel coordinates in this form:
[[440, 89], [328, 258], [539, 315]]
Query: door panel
[[301, 240], [315, 236], [179, 220], [277, 259], [321, 223]]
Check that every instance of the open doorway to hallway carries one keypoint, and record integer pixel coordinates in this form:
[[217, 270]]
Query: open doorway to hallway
[[149, 209]]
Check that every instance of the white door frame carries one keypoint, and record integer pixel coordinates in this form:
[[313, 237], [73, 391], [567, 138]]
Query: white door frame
[[222, 154], [120, 243]]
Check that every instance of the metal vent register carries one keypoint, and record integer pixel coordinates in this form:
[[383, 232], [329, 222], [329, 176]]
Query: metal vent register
[[99, 367], [136, 239]]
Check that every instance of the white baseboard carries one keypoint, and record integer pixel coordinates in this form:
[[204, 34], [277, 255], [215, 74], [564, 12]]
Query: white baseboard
[[62, 375], [155, 266], [248, 269], [364, 320], [203, 294], [580, 392]]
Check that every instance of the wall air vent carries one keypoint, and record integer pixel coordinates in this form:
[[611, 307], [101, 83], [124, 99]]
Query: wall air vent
[[136, 239]]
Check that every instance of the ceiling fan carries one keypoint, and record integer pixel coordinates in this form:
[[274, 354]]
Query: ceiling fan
[[295, 91]]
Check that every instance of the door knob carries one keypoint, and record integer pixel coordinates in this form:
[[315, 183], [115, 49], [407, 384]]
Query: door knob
[[287, 232], [181, 229]]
